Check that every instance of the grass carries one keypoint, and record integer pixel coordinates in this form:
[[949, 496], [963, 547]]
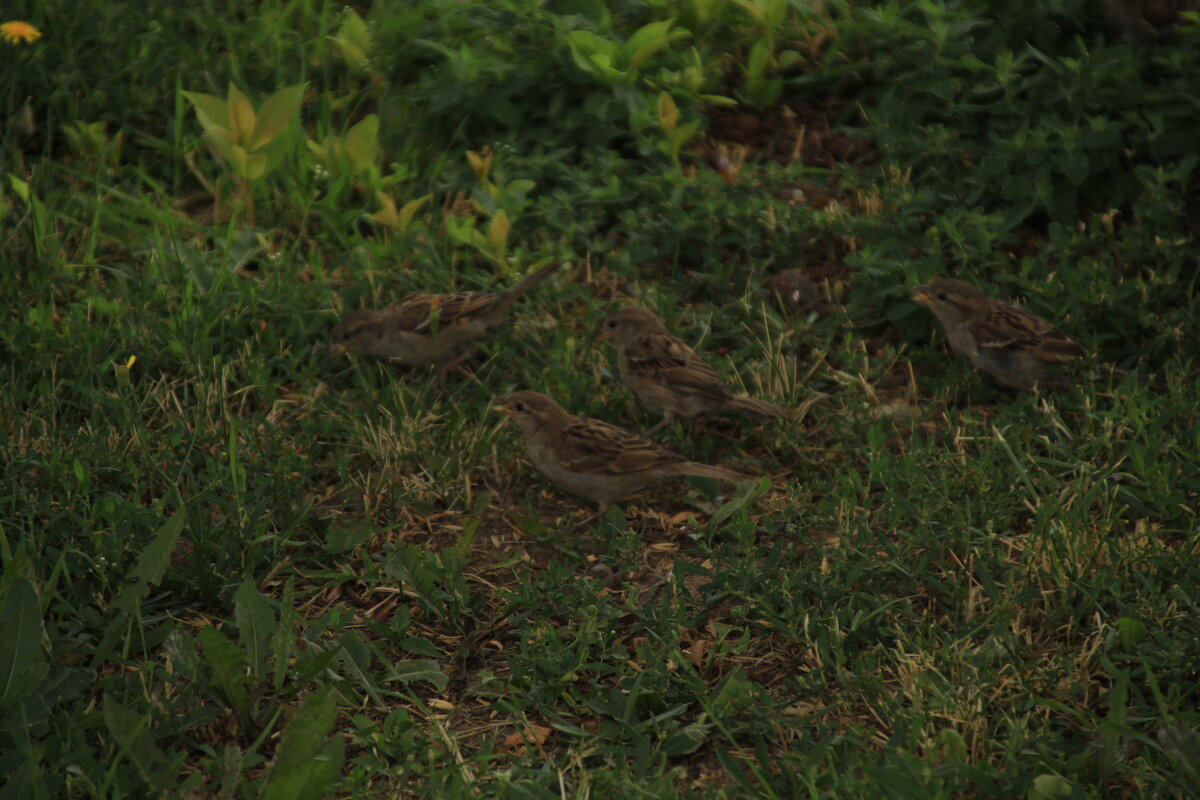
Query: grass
[[236, 567]]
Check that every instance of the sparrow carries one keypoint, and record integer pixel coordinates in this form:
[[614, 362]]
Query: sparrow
[[1015, 346], [424, 329], [667, 375], [593, 459]]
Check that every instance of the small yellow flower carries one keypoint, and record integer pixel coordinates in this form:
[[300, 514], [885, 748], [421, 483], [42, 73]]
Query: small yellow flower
[[17, 32]]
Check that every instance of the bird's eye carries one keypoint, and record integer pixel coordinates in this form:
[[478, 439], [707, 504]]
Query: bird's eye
[[612, 323], [942, 296], [519, 406]]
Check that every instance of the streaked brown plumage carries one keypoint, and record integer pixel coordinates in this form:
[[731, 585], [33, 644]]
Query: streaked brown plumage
[[593, 459], [667, 375], [1015, 346], [424, 329]]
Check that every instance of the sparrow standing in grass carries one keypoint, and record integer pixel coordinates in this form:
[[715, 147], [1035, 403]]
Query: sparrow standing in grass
[[667, 375], [424, 329], [591, 458], [1016, 347]]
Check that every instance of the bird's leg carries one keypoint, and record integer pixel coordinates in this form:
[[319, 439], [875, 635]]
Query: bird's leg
[[593, 517], [454, 362], [667, 417]]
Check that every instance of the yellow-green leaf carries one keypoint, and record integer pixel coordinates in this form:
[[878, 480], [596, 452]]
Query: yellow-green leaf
[[647, 39], [225, 148], [362, 143], [236, 156], [277, 111], [754, 10], [481, 165], [386, 216], [20, 187], [241, 115], [211, 111], [354, 39], [352, 54], [319, 150], [668, 112], [585, 46], [410, 209], [256, 165], [719, 99], [497, 235]]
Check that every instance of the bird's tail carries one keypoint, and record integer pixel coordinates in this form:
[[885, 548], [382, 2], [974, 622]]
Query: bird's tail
[[529, 281], [750, 406], [706, 471]]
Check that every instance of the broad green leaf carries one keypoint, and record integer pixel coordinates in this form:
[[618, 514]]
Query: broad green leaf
[[355, 29], [418, 646], [647, 40], [497, 235], [241, 115], [481, 165], [256, 165], [283, 644], [686, 131], [386, 216], [322, 151], [419, 670], [132, 733], [585, 46], [21, 632], [277, 111], [307, 761], [212, 111], [362, 143], [227, 664], [1050, 787], [603, 66], [229, 152], [731, 695], [747, 493], [352, 54], [409, 210], [754, 9], [519, 187], [255, 618], [355, 656], [668, 112], [774, 12], [236, 156], [354, 39], [759, 61], [154, 559], [461, 229]]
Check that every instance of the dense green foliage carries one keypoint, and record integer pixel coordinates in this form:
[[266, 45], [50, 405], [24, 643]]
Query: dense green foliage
[[236, 567]]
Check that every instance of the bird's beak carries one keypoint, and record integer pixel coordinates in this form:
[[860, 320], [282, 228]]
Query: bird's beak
[[503, 405], [923, 296], [336, 349]]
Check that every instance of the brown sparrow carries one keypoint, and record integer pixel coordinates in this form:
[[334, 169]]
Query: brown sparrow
[[591, 458], [1016, 347], [667, 375], [424, 329]]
